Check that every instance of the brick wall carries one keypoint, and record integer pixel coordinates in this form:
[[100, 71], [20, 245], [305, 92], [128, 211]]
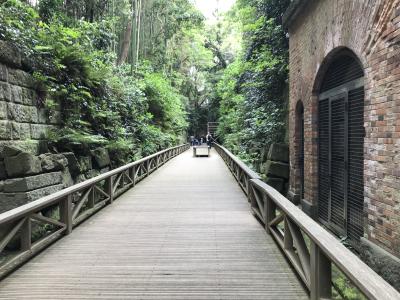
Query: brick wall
[[22, 122], [371, 29]]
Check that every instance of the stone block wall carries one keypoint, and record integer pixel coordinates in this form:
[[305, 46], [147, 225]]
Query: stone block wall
[[27, 170], [275, 167], [371, 30], [23, 120], [26, 177]]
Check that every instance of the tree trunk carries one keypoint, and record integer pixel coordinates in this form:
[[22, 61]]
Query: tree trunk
[[125, 44], [138, 30]]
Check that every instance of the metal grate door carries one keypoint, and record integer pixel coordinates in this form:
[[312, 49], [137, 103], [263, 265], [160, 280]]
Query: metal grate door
[[323, 160], [338, 164], [356, 133], [341, 148]]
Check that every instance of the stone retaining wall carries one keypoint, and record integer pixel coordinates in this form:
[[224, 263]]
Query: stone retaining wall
[[26, 177], [276, 167], [23, 122]]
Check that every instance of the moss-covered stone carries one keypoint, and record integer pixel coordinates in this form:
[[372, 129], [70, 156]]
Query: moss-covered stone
[[5, 130], [5, 91], [85, 163], [3, 73], [276, 183], [22, 164], [3, 110], [277, 169], [73, 164], [31, 183], [101, 157], [279, 152], [53, 162], [384, 263], [22, 113], [10, 55], [12, 200], [3, 174]]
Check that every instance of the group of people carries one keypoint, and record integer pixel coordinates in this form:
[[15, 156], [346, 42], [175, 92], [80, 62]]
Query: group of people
[[195, 142]]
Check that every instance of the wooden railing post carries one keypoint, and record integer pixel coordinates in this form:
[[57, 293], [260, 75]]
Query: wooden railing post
[[251, 197], [269, 212], [247, 182], [91, 197], [26, 235], [147, 167], [288, 238], [110, 188], [321, 274], [132, 175], [66, 213]]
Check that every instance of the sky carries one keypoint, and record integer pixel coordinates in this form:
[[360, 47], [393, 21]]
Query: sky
[[208, 7]]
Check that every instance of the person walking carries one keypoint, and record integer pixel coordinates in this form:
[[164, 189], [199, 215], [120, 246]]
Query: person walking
[[209, 139]]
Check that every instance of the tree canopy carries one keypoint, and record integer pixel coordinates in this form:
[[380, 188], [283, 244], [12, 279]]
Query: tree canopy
[[137, 76]]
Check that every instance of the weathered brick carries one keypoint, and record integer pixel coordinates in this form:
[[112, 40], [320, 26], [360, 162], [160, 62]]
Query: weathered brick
[[313, 36]]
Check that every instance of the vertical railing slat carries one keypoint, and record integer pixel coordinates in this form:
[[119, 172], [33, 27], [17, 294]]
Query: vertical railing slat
[[321, 274], [66, 213], [26, 235]]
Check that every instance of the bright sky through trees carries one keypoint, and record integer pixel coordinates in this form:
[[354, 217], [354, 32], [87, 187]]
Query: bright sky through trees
[[208, 7]]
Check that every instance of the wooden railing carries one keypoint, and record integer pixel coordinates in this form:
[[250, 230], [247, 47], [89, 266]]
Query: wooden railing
[[242, 173], [309, 247], [57, 214]]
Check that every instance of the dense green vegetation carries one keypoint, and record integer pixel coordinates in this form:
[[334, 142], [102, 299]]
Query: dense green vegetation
[[137, 76], [77, 57], [253, 89]]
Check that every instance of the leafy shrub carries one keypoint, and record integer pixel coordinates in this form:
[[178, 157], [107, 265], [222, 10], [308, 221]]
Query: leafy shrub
[[102, 104]]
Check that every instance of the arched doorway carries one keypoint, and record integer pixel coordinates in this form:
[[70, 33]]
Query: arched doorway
[[341, 146]]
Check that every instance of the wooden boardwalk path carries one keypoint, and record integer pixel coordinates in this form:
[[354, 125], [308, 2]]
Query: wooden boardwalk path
[[185, 232]]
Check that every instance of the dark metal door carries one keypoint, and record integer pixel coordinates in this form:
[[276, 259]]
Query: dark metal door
[[356, 134], [341, 147], [338, 145], [332, 162], [341, 160]]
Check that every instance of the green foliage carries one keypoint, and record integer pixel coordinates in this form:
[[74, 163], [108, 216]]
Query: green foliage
[[253, 90], [235, 70], [102, 104], [343, 288], [165, 103]]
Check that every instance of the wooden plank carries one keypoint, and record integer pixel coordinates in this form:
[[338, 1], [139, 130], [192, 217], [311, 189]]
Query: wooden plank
[[186, 232]]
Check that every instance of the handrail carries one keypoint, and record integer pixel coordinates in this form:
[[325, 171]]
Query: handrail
[[73, 205], [311, 257], [8, 215], [242, 173]]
